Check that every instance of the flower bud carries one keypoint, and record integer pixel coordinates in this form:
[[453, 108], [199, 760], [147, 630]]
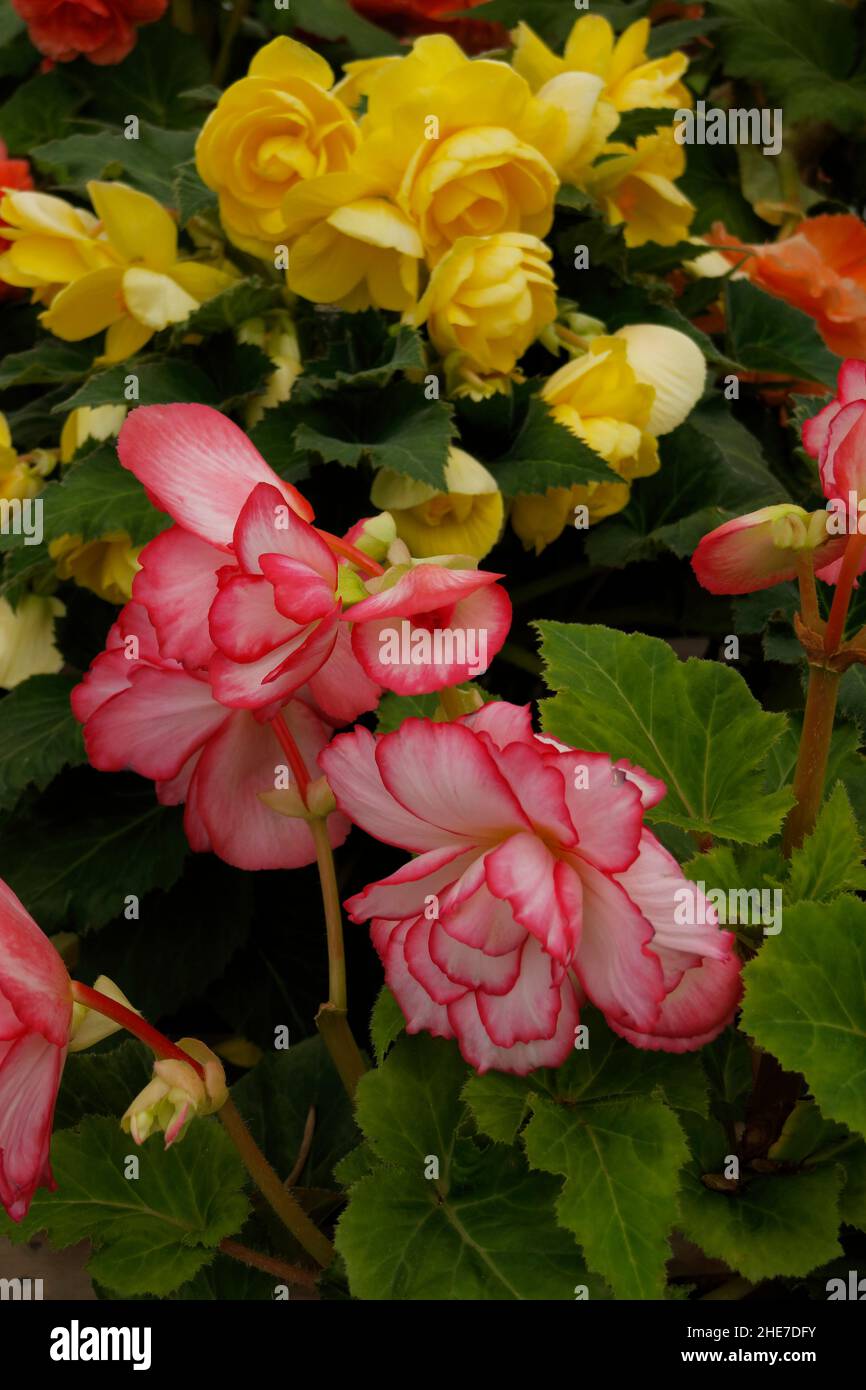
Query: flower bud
[[176, 1094], [88, 1026], [761, 549], [672, 364]]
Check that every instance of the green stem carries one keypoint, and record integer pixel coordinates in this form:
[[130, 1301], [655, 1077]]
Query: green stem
[[233, 24], [290, 1212], [812, 757], [331, 1020]]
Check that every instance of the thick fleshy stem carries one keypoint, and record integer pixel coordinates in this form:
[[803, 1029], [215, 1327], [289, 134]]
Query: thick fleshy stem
[[844, 588], [808, 593], [269, 1264], [331, 1020], [812, 758], [133, 1023], [287, 1208], [347, 551], [290, 1213]]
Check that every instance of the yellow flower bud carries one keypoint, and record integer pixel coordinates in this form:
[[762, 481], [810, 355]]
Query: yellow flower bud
[[670, 362], [464, 520]]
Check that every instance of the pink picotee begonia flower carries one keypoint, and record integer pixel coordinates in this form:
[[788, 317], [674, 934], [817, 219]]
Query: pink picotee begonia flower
[[145, 711], [762, 549], [530, 893], [35, 1018]]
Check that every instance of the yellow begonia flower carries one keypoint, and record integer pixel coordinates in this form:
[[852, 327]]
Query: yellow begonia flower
[[465, 520], [271, 129], [106, 566], [146, 290], [354, 87], [53, 243], [463, 147], [280, 341], [636, 187], [27, 639], [488, 300], [631, 79], [599, 398], [350, 246], [22, 475], [672, 364], [98, 422]]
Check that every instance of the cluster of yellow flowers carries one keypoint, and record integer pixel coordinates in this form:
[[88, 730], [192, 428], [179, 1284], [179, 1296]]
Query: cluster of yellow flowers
[[425, 184], [421, 184]]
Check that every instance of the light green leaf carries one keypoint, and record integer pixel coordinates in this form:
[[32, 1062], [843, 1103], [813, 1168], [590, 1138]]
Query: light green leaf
[[831, 859], [774, 1226], [39, 735], [806, 1003], [386, 1023], [695, 724], [152, 1234], [478, 1227], [621, 1161]]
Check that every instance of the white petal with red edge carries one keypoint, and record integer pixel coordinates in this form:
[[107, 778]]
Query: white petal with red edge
[[470, 967], [266, 527], [278, 674], [702, 1005], [237, 764], [404, 893], [341, 687], [244, 624], [479, 1050], [353, 773], [299, 593], [30, 1074], [445, 775], [607, 812], [198, 466], [155, 725], [421, 1012], [32, 976], [177, 585], [544, 892], [615, 964]]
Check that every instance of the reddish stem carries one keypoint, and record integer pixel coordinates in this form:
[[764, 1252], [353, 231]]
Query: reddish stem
[[292, 752], [350, 552], [133, 1023], [844, 587]]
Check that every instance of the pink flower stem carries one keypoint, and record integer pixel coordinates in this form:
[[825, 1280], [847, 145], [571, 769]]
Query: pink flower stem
[[844, 588], [133, 1023], [331, 1020], [293, 753], [347, 551]]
